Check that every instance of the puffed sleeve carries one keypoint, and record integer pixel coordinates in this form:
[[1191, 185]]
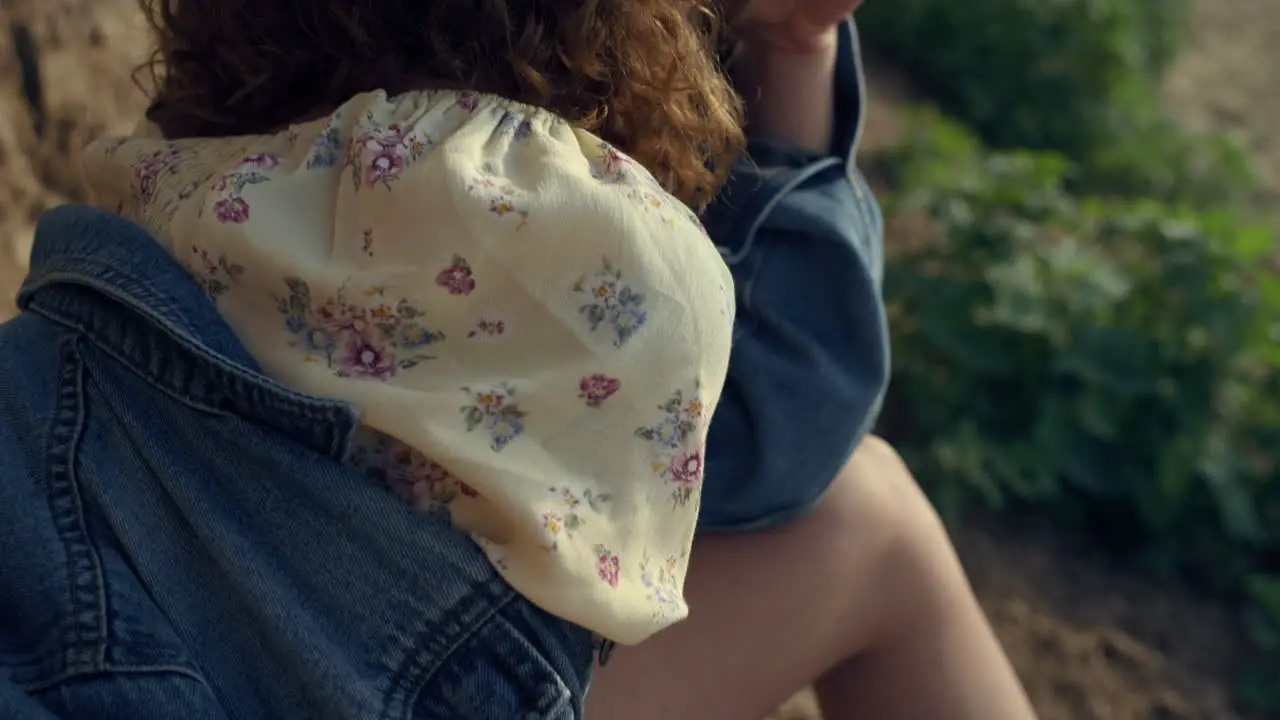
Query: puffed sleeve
[[535, 331]]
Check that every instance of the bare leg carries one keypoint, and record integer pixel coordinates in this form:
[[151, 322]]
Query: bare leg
[[865, 597]]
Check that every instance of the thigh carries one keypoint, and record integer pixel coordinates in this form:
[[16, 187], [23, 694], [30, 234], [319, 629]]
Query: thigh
[[772, 611]]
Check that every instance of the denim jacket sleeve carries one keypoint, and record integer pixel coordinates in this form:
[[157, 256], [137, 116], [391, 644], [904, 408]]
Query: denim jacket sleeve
[[803, 237]]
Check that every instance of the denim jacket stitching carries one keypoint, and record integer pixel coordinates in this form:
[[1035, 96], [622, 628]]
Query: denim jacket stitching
[[87, 631], [767, 196], [109, 281], [223, 382], [437, 641]]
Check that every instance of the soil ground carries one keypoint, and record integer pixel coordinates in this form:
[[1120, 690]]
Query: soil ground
[[1225, 81], [1091, 641]]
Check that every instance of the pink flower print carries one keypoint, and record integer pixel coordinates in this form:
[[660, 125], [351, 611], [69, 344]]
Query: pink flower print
[[674, 440], [230, 206], [608, 566], [147, 172], [376, 340], [337, 314], [379, 154], [684, 473], [264, 161], [487, 330], [232, 210], [597, 388], [686, 468], [384, 167], [415, 479], [611, 166], [409, 475], [457, 277], [364, 357], [146, 188]]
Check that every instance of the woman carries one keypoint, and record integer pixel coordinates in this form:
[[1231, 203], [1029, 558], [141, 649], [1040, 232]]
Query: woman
[[181, 538]]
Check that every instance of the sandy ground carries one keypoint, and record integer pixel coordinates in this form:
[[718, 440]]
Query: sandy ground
[[87, 50], [1092, 642], [1226, 80]]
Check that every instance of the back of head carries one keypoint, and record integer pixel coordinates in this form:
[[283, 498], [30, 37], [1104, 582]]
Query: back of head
[[642, 74]]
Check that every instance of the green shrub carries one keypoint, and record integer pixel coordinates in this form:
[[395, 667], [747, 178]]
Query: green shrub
[[1080, 77], [1116, 363], [1029, 73]]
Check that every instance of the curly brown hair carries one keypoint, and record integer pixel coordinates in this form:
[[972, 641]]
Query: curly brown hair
[[642, 74]]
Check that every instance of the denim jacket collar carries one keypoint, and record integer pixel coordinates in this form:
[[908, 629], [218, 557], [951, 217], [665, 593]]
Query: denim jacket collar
[[87, 266]]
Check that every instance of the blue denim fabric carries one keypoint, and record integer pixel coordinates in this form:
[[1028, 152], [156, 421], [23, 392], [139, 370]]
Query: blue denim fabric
[[804, 238], [179, 537]]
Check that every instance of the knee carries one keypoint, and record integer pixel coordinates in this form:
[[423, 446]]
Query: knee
[[877, 505], [877, 493]]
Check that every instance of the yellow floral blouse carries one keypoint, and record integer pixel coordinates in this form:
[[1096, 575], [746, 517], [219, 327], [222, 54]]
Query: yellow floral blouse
[[536, 332]]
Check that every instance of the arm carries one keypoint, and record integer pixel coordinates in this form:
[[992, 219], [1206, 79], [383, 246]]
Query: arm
[[788, 93], [804, 238]]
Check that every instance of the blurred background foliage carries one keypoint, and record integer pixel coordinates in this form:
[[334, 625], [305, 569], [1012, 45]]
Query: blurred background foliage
[[1088, 326]]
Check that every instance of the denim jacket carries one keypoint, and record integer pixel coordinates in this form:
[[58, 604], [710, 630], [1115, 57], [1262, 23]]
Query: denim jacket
[[804, 239]]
